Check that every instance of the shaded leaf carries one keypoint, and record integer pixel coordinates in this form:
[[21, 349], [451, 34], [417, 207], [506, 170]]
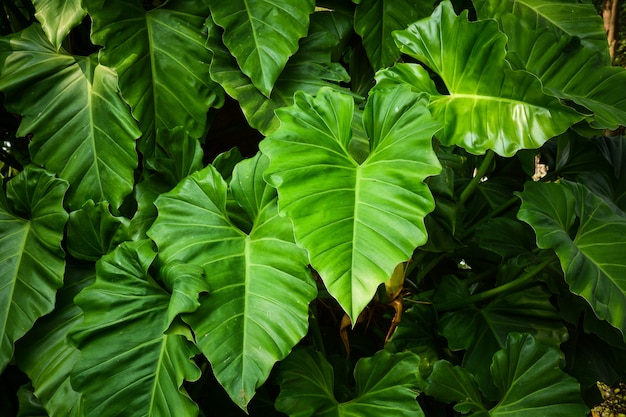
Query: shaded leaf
[[357, 221], [182, 155], [47, 357], [82, 129], [29, 405], [93, 231], [386, 384], [161, 61], [374, 20], [454, 384], [587, 236], [58, 17], [308, 70], [123, 344], [260, 286], [509, 112], [262, 34], [32, 262]]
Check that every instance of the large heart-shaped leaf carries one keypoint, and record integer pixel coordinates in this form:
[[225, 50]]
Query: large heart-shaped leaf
[[529, 380], [46, 356], [358, 221], [161, 61], [308, 70], [569, 17], [374, 20], [32, 262], [482, 331], [386, 384], [587, 235], [82, 129], [123, 344], [568, 70], [262, 34], [257, 309], [487, 105], [58, 17]]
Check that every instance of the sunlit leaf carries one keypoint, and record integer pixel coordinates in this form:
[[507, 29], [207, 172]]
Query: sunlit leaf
[[123, 344], [58, 17], [82, 129], [262, 34], [32, 262], [260, 286], [358, 221], [386, 384]]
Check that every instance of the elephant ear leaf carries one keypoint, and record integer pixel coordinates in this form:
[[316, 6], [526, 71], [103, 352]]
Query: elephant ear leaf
[[58, 18], [356, 220], [259, 281], [32, 261], [139, 365], [509, 110], [386, 384], [587, 235], [262, 34]]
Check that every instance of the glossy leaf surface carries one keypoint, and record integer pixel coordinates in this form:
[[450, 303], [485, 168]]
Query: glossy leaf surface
[[262, 34], [161, 61], [82, 129], [260, 286], [487, 105], [58, 17], [32, 261], [357, 221], [587, 235], [386, 384], [139, 366]]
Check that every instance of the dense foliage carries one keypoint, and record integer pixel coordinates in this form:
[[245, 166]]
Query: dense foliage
[[439, 161]]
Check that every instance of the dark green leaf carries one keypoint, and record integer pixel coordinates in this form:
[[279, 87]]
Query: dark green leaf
[[58, 18], [31, 259]]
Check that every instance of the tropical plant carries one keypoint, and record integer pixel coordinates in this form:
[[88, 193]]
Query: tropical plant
[[447, 157]]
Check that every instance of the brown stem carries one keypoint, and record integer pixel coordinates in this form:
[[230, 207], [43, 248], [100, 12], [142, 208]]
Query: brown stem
[[610, 15]]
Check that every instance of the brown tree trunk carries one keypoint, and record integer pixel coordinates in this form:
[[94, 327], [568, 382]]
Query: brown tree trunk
[[610, 15]]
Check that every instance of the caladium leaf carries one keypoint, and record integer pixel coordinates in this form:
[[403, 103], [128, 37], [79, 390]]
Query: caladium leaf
[[509, 112], [82, 129], [529, 380], [93, 231], [553, 59], [260, 285], [262, 34], [58, 17], [569, 17], [308, 70], [46, 356], [374, 20], [386, 384], [161, 61], [587, 235], [357, 221], [32, 219], [482, 331], [138, 365]]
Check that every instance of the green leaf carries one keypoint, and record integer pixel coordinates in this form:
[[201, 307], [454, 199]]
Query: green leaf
[[386, 384], [182, 155], [93, 231], [58, 17], [308, 70], [357, 221], [509, 111], [123, 345], [45, 355], [374, 20], [260, 286], [82, 129], [32, 262], [29, 405], [569, 17], [161, 61], [482, 331], [529, 379], [587, 235], [262, 34], [569, 70]]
